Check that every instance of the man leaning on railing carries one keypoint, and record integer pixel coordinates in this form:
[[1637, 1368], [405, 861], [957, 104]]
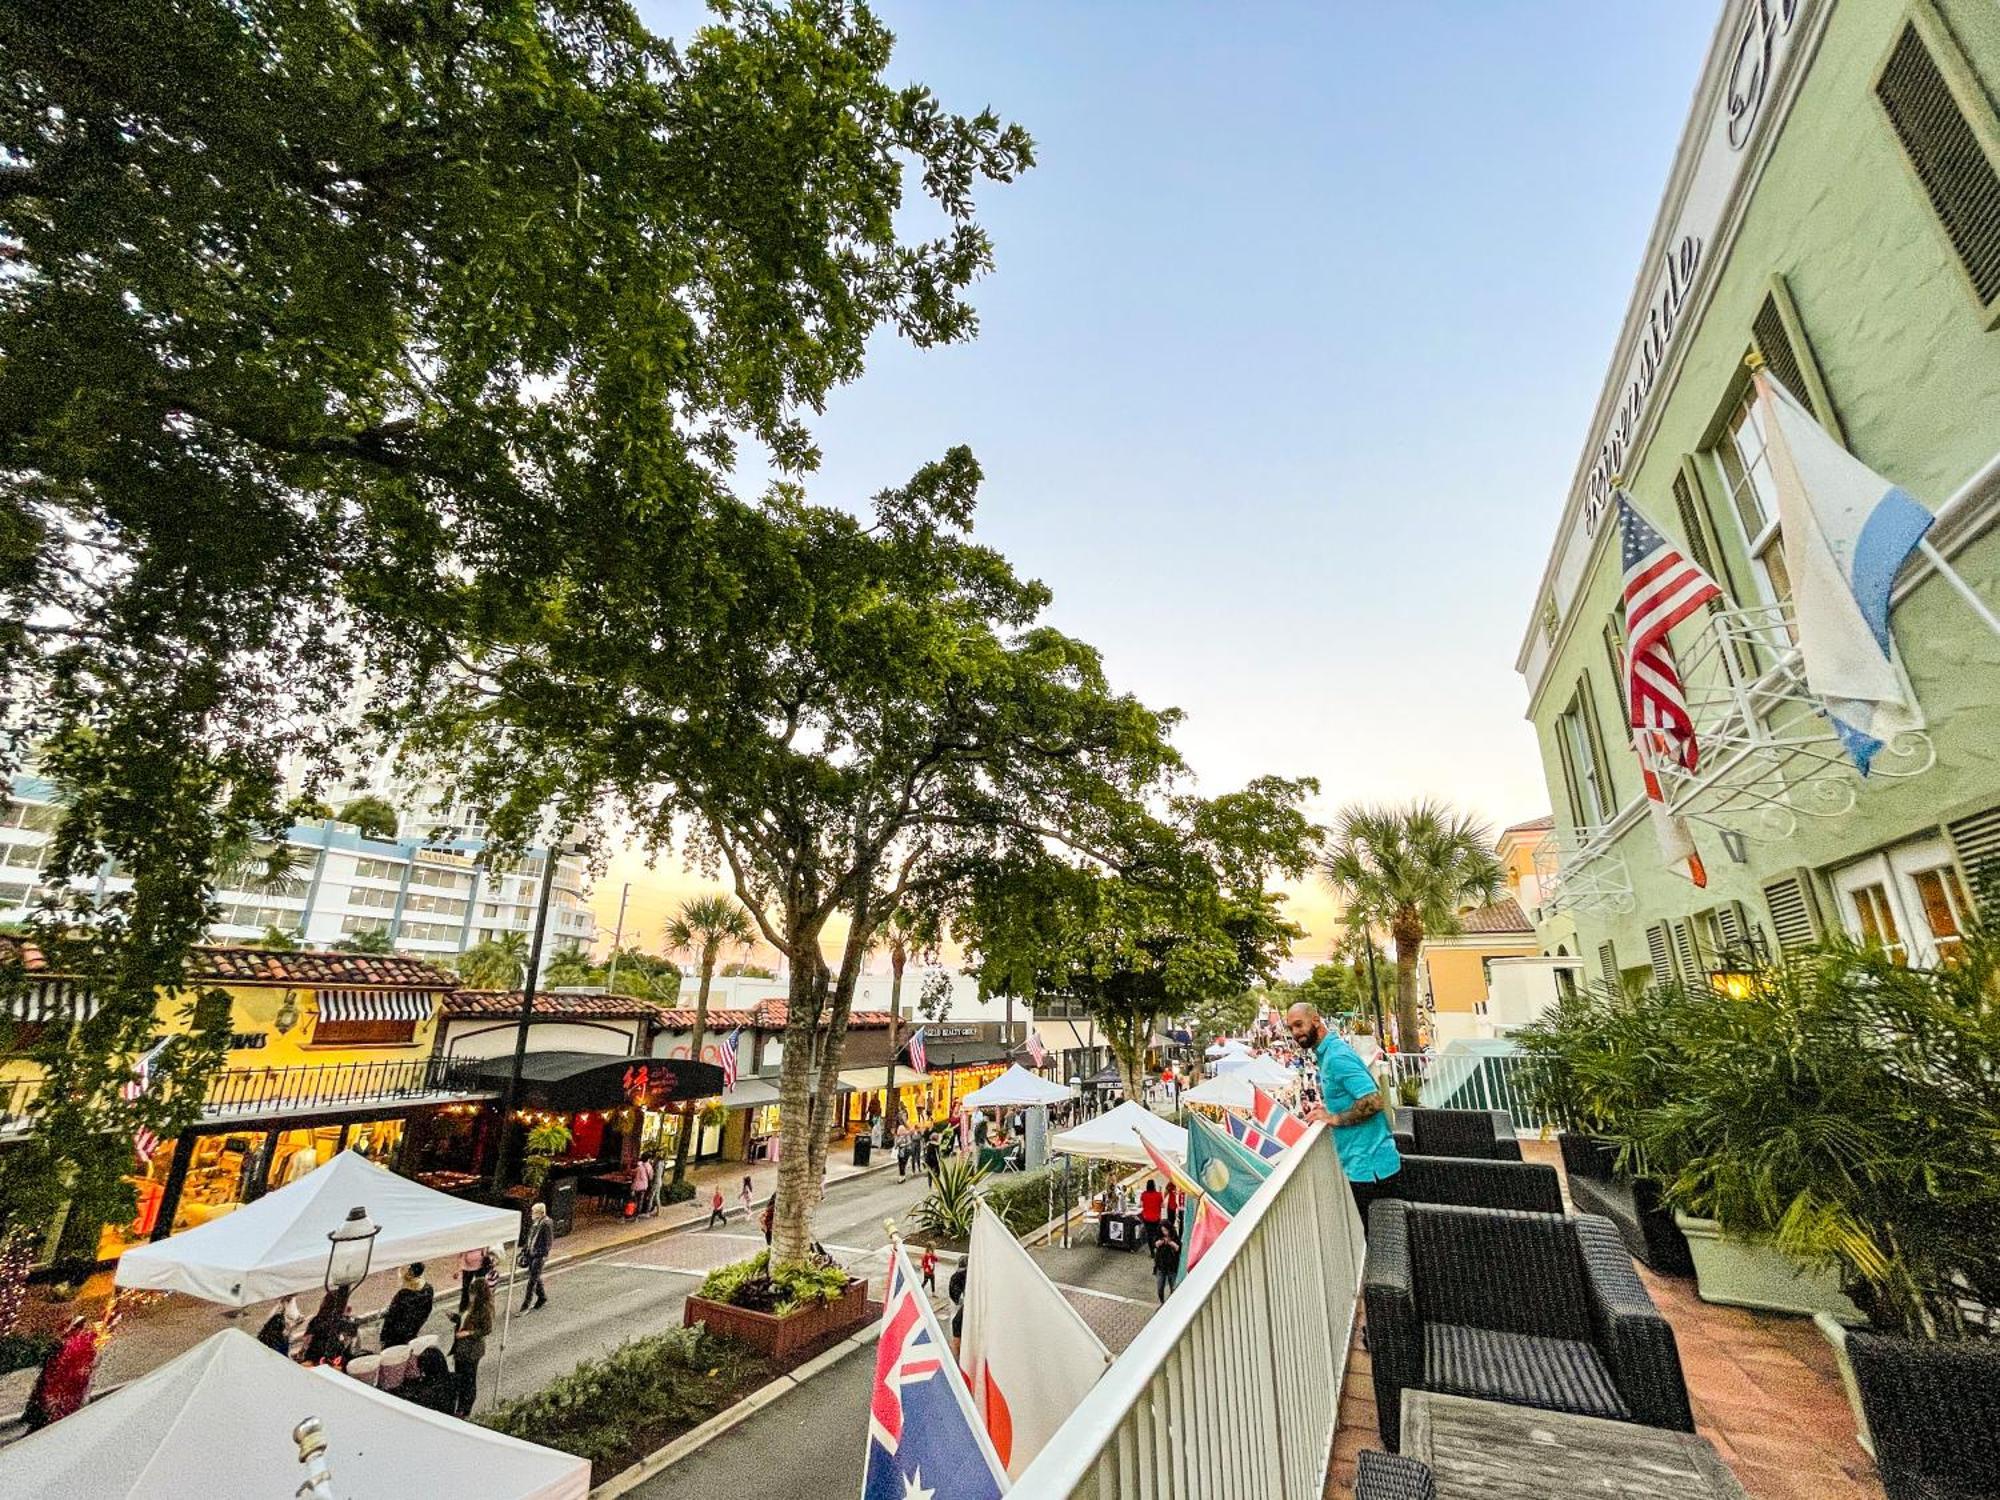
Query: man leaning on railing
[[1351, 1103]]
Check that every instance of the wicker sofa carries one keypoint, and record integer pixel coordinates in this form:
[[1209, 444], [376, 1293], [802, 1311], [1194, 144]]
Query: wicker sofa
[[1484, 1134], [1389, 1476], [1934, 1413], [1470, 1183], [1631, 1204], [1526, 1308]]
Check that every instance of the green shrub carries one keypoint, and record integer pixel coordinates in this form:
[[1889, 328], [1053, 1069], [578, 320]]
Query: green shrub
[[23, 1351], [752, 1284], [954, 1199], [1023, 1199], [677, 1192], [614, 1410]]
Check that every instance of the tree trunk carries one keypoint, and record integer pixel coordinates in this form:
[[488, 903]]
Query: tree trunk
[[827, 1098], [1409, 936], [798, 1191], [894, 1107], [694, 1055], [1128, 1046]]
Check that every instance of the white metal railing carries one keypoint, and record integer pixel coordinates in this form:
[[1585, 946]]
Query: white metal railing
[[1469, 1080], [1578, 872], [1233, 1388]]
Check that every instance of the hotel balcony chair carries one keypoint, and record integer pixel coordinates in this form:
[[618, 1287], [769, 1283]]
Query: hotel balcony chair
[[1484, 1134], [1632, 1204], [1530, 1187], [1526, 1308]]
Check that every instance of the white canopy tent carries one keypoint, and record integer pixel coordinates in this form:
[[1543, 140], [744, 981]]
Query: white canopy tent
[[1234, 1047], [218, 1422], [1016, 1088], [278, 1245], [1115, 1135], [1229, 1091], [1265, 1072]]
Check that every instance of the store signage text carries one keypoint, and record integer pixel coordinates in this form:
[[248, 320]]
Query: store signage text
[[1750, 70], [1662, 318]]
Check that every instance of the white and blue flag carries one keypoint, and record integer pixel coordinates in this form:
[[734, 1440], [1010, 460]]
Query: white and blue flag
[[925, 1439], [1847, 533]]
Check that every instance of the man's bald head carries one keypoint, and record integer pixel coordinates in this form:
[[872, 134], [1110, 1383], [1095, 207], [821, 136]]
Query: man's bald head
[[1303, 1021]]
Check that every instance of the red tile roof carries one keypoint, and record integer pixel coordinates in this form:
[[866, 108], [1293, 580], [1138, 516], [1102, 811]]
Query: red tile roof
[[1533, 825], [1503, 917], [261, 966], [465, 1004]]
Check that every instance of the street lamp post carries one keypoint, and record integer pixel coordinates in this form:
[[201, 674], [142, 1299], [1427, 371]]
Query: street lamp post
[[511, 1090], [350, 1250]]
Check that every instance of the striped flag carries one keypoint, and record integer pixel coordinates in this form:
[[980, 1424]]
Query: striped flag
[[728, 1060], [917, 1059], [1662, 588], [1036, 1049], [144, 1141], [1206, 1219]]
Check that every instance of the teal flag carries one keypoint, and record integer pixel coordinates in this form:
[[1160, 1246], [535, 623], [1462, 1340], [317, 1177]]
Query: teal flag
[[1227, 1171]]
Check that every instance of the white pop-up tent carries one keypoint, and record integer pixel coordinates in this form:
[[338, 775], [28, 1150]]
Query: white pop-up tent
[[278, 1245], [1234, 1047], [1015, 1089], [1266, 1072], [217, 1422], [1229, 1091], [1115, 1135]]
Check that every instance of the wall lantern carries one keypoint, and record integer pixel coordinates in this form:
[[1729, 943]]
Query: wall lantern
[[351, 1249], [1733, 984], [288, 1012]]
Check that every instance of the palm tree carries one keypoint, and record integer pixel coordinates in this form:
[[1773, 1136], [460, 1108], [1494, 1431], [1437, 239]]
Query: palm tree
[[499, 963], [702, 928], [569, 967], [1413, 869]]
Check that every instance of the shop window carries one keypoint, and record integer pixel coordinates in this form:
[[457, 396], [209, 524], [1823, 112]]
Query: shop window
[[388, 1033], [1951, 140], [1745, 459], [1582, 749], [1909, 898]]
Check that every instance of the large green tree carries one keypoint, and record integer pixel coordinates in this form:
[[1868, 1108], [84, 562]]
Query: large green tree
[[701, 929], [1181, 912], [340, 341], [1413, 869]]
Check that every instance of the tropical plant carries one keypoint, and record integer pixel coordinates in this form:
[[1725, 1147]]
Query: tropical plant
[[276, 939], [1413, 869], [953, 1202], [702, 928], [373, 815], [747, 971], [499, 963], [754, 1285], [571, 967], [375, 940], [546, 1141]]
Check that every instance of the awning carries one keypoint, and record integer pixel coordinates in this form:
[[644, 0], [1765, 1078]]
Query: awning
[[570, 1081], [376, 1005], [1068, 1036], [53, 1000], [947, 1057], [863, 1079], [755, 1093]]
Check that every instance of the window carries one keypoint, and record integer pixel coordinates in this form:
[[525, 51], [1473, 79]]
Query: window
[[1941, 901], [14, 893], [443, 905], [364, 1033], [378, 869], [1874, 918], [1753, 494], [1614, 648], [353, 926], [1582, 752], [23, 856], [1951, 140], [250, 914], [443, 880], [42, 817], [368, 895]]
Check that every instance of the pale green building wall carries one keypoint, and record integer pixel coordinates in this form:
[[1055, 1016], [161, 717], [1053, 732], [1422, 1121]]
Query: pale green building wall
[[1914, 375]]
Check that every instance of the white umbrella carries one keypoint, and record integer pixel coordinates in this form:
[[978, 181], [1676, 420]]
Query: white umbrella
[[217, 1422], [278, 1245], [1116, 1134], [1015, 1089]]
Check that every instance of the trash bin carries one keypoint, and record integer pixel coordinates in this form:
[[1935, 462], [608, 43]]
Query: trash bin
[[862, 1147], [562, 1205]]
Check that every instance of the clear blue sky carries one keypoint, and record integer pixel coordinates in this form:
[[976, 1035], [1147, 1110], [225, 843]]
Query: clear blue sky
[[1290, 349]]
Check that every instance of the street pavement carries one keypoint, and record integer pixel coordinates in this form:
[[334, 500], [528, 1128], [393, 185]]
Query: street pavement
[[811, 1440]]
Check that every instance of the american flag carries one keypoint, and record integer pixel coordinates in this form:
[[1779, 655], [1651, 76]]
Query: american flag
[[728, 1055], [144, 1141], [917, 1050], [1036, 1049], [1662, 588]]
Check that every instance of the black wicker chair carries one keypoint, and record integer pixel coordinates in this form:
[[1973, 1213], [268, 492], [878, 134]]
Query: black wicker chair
[[1527, 1308], [1631, 1204], [1934, 1413], [1528, 1186], [1389, 1476], [1482, 1134]]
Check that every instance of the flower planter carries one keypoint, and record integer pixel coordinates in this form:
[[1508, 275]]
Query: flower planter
[[788, 1336], [1836, 1334], [1751, 1273]]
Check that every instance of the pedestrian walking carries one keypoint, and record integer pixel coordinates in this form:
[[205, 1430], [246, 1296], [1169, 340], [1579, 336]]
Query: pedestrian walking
[[468, 1272], [902, 1154], [956, 1287], [931, 1157], [770, 1217], [63, 1384], [745, 1195], [410, 1308], [535, 1247], [1166, 1262], [1152, 1211], [468, 1346], [928, 1266], [715, 1214]]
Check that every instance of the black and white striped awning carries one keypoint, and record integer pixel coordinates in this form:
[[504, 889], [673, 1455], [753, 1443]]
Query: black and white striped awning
[[376, 1005], [46, 1000]]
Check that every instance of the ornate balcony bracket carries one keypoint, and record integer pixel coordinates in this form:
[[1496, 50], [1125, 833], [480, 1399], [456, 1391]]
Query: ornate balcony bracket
[[1580, 874]]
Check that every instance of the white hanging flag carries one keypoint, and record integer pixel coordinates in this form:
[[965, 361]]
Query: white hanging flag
[[1028, 1356], [1847, 533]]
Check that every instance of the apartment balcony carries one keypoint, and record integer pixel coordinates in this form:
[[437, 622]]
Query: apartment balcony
[[1581, 873]]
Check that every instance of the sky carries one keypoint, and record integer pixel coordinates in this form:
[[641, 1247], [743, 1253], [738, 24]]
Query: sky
[[1287, 359]]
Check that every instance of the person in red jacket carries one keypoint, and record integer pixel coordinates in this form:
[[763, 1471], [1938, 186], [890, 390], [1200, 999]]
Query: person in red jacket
[[1152, 1210]]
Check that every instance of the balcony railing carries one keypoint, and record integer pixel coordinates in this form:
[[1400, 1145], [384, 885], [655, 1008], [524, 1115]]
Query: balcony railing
[[244, 1092], [1260, 1326], [1579, 872], [1470, 1080]]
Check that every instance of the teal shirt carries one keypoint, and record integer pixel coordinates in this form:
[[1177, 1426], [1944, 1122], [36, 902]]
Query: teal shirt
[[1368, 1150]]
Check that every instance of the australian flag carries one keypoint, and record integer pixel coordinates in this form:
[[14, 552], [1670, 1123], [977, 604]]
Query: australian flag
[[925, 1441]]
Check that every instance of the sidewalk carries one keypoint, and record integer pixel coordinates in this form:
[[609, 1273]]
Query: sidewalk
[[152, 1335]]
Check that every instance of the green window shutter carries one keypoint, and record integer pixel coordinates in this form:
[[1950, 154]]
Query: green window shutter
[[1795, 917], [1572, 780], [1780, 336], [1659, 949], [1977, 842], [1614, 651], [1686, 951], [1951, 140], [1587, 702], [1607, 963], [1730, 924]]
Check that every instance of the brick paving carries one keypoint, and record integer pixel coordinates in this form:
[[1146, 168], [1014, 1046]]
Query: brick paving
[[1765, 1389]]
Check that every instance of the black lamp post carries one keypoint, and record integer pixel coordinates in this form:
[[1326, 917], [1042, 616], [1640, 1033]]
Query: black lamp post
[[503, 1154]]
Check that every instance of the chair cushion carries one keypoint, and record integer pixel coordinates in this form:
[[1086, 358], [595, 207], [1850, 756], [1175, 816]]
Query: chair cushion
[[1556, 1374]]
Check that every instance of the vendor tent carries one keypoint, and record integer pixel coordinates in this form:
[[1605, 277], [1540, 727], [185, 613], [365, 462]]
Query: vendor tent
[[1116, 1134], [278, 1245], [1266, 1072], [1230, 1091], [1015, 1089], [217, 1422], [1234, 1047]]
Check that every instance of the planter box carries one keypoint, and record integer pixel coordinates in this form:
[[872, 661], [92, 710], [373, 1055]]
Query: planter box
[[1836, 1335], [1749, 1273], [788, 1337]]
